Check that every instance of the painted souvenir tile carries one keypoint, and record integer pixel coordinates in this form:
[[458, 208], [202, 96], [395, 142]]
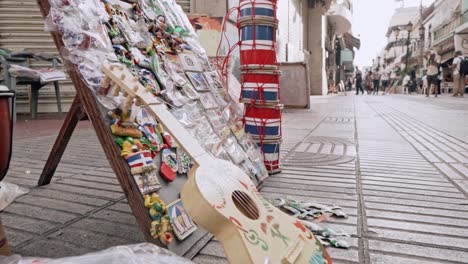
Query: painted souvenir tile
[[190, 63], [182, 224], [147, 182], [198, 81], [213, 80], [208, 101]]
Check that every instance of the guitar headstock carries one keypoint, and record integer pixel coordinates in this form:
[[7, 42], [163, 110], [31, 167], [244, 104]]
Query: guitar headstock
[[122, 80]]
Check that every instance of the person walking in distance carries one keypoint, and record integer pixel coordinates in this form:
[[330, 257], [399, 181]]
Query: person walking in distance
[[376, 80], [358, 81], [458, 77], [385, 77], [369, 82], [432, 71]]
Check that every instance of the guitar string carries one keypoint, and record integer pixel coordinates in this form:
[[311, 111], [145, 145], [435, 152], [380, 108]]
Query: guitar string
[[242, 198]]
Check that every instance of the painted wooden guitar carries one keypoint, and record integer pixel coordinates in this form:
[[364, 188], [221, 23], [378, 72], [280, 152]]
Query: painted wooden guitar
[[221, 198]]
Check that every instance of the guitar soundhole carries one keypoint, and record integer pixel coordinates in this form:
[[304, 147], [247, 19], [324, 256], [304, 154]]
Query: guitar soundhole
[[245, 205]]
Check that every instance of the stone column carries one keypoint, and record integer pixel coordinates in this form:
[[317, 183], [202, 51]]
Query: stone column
[[316, 30]]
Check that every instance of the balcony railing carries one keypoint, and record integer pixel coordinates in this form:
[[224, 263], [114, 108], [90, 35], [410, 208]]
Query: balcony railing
[[448, 28], [398, 43]]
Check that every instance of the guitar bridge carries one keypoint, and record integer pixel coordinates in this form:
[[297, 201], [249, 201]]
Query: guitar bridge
[[293, 252]]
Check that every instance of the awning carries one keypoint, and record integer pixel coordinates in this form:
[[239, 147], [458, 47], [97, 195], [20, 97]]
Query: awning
[[351, 41]]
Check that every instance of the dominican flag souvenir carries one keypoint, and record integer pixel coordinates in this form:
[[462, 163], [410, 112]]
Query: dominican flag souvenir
[[140, 162], [263, 123]]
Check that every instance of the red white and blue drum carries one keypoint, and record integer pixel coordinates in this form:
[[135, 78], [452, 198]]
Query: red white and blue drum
[[263, 123], [257, 53], [249, 8], [271, 154], [261, 88]]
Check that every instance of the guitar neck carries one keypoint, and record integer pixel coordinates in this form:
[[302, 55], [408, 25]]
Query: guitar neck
[[123, 80]]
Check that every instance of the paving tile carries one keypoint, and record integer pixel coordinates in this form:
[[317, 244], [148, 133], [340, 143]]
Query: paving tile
[[110, 228], [89, 239], [445, 220], [16, 237], [462, 169], [429, 156], [382, 258], [408, 202], [416, 210], [27, 224], [421, 238], [464, 185], [52, 248], [458, 156], [447, 170], [437, 254], [67, 196], [56, 204], [42, 213], [429, 228], [85, 191]]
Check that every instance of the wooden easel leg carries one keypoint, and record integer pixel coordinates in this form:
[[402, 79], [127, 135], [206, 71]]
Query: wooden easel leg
[[73, 116]]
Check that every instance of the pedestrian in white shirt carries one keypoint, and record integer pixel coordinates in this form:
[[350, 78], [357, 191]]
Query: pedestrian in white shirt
[[458, 79]]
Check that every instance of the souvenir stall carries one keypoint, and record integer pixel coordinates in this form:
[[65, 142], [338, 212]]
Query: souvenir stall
[[260, 77], [156, 43]]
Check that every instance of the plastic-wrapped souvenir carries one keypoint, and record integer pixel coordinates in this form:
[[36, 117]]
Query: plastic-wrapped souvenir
[[194, 109], [220, 100], [175, 96], [208, 101], [234, 150], [190, 92], [213, 80], [176, 76], [146, 78], [190, 62], [198, 81], [218, 123], [184, 118]]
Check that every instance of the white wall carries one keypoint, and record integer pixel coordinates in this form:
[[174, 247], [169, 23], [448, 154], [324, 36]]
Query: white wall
[[290, 38]]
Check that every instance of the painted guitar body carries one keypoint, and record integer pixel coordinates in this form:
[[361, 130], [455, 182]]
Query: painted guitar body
[[221, 198]]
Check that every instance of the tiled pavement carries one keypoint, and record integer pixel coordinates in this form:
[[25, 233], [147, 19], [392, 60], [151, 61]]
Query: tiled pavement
[[397, 164]]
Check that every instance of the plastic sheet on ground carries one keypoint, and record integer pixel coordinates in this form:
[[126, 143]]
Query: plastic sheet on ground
[[8, 193], [144, 253]]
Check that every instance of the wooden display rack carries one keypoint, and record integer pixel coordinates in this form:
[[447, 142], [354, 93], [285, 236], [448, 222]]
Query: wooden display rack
[[85, 106]]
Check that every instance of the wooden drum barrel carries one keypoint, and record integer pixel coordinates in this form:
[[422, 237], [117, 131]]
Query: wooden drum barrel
[[6, 129]]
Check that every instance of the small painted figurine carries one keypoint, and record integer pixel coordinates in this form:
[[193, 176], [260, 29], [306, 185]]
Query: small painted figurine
[[160, 227]]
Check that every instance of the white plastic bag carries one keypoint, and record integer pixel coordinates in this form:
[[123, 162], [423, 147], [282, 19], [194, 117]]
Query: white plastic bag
[[9, 192]]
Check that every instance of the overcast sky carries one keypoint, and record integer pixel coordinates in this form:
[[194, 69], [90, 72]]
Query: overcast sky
[[370, 20]]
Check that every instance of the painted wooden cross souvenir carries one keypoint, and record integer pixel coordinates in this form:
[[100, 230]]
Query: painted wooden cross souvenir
[[221, 198]]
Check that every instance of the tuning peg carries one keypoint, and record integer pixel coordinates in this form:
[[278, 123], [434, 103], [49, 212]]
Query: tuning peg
[[122, 77], [138, 102], [121, 67], [112, 67], [135, 88], [115, 89], [135, 79], [128, 103], [125, 94]]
